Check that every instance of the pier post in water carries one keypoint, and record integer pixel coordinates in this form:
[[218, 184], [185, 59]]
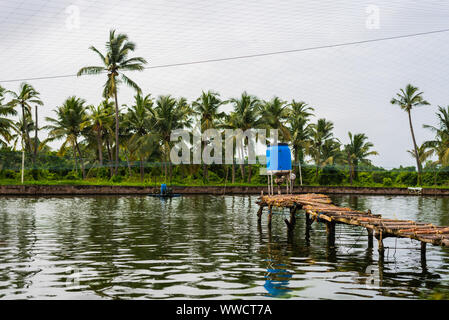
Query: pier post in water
[[380, 242], [291, 224], [308, 223], [370, 238], [330, 229], [270, 215], [423, 252], [259, 214]]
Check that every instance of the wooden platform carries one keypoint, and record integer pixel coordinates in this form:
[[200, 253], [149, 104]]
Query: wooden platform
[[319, 207]]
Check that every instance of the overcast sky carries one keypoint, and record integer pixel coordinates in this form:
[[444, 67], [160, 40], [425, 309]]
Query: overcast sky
[[349, 85]]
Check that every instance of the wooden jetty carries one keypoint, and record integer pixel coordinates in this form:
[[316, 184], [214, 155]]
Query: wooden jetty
[[319, 207]]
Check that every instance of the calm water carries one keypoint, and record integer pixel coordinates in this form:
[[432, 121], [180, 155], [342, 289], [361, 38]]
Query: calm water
[[207, 247]]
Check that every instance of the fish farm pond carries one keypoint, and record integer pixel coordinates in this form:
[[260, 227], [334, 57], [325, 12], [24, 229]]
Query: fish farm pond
[[210, 247]]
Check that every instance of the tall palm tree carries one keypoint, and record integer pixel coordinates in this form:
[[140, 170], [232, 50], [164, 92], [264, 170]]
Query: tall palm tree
[[424, 152], [357, 151], [6, 124], [98, 119], [170, 114], [206, 107], [320, 132], [139, 121], [300, 131], [274, 114], [67, 125], [26, 96], [331, 152], [407, 100], [244, 116], [440, 144], [115, 62]]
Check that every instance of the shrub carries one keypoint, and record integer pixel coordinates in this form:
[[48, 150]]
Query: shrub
[[408, 178], [330, 175], [387, 182], [379, 176], [365, 178], [72, 175], [116, 179], [8, 174]]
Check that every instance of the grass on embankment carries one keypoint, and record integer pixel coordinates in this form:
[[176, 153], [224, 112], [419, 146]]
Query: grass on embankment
[[186, 183]]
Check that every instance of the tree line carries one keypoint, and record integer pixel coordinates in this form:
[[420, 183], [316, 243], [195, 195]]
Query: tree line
[[139, 132]]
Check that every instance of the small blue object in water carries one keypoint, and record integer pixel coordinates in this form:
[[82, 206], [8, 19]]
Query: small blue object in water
[[279, 157], [163, 188]]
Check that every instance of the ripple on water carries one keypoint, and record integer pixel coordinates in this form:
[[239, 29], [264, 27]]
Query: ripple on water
[[206, 247]]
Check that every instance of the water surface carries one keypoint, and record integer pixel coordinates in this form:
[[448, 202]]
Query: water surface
[[193, 247]]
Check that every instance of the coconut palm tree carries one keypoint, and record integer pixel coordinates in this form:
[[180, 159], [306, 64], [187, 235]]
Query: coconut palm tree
[[424, 152], [357, 151], [67, 125], [408, 99], [98, 120], [206, 107], [300, 131], [115, 62], [139, 120], [6, 124], [170, 114], [331, 152], [320, 132], [440, 144], [244, 116], [274, 115], [26, 96]]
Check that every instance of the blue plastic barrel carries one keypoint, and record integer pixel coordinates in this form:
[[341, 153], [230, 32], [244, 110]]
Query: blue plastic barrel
[[279, 157], [163, 188]]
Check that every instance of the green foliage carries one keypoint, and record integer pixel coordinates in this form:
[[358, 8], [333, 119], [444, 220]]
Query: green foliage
[[379, 176], [330, 175], [116, 179], [387, 182], [7, 174], [407, 178], [72, 175]]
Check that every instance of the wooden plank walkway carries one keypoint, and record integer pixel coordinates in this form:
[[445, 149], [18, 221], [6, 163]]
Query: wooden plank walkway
[[319, 207]]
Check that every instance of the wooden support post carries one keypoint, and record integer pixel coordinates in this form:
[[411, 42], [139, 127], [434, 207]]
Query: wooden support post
[[380, 245], [330, 229], [291, 224], [308, 223], [370, 238], [270, 215], [259, 214], [423, 251]]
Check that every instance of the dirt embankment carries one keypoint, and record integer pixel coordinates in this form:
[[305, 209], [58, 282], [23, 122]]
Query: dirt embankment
[[45, 190]]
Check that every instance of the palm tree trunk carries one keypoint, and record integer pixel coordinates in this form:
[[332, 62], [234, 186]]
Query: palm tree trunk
[[233, 171], [23, 142], [76, 160], [25, 126], [418, 164], [100, 147], [116, 131], [81, 158], [242, 168], [300, 158], [129, 165], [108, 146], [249, 173], [141, 169], [35, 136]]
